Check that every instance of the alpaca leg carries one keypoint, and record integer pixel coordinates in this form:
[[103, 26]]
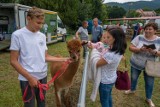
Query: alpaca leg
[[66, 92], [58, 98], [66, 98]]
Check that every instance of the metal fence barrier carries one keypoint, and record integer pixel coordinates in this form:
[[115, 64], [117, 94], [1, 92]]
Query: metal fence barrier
[[82, 95]]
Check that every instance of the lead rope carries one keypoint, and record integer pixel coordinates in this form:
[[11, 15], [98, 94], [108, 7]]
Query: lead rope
[[43, 87]]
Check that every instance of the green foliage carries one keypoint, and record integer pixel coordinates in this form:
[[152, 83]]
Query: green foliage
[[132, 13], [96, 8], [146, 9], [9, 1], [103, 13], [154, 4], [68, 13], [84, 12], [72, 12], [157, 11], [37, 3], [115, 12]]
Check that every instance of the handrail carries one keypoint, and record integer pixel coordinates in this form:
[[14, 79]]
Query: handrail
[[82, 95]]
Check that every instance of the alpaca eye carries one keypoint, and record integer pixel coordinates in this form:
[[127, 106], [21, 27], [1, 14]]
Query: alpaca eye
[[78, 51]]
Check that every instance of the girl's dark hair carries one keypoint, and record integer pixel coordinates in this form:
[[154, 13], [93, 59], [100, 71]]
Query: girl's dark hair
[[119, 45]]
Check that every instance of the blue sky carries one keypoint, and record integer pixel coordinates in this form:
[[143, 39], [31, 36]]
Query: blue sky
[[123, 1]]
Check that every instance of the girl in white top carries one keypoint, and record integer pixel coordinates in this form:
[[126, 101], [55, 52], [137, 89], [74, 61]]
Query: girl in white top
[[109, 63]]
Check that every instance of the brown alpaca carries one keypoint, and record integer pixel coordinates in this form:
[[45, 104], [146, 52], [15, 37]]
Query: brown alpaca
[[63, 83]]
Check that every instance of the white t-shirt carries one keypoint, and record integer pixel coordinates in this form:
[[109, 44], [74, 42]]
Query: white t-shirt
[[32, 47], [108, 74]]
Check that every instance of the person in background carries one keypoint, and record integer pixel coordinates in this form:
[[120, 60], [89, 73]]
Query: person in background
[[45, 28], [29, 56], [109, 62], [118, 24], [140, 30], [124, 27], [136, 31], [97, 31], [139, 57], [83, 33]]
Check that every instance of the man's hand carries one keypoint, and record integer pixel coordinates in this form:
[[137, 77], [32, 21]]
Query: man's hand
[[33, 82]]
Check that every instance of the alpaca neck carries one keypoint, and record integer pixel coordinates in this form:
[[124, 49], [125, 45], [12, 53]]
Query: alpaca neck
[[72, 69]]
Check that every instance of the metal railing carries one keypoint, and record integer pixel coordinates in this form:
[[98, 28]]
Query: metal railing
[[82, 95]]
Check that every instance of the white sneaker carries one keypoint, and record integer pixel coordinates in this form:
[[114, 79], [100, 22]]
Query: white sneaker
[[129, 92], [150, 103]]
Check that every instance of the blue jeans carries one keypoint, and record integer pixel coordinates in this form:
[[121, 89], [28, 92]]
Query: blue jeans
[[31, 103], [149, 81], [105, 91]]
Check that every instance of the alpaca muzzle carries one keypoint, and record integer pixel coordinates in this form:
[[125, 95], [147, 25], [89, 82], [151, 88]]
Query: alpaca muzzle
[[75, 56]]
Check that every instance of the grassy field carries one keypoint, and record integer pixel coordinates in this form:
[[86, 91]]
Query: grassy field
[[11, 96]]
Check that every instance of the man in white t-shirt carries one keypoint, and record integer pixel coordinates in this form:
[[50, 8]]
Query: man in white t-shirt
[[29, 56]]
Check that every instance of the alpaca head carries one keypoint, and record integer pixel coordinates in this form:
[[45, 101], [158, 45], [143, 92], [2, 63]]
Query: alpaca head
[[74, 48]]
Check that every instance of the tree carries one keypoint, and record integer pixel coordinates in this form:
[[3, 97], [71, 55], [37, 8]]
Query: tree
[[157, 11], [115, 12], [37, 3], [98, 9], [72, 12], [84, 10], [67, 10], [146, 9], [8, 1], [132, 13]]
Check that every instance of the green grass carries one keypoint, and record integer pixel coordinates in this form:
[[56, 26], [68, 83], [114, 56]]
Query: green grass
[[11, 95]]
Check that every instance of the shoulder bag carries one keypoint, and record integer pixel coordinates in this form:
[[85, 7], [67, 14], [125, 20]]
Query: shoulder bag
[[152, 68], [123, 81]]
